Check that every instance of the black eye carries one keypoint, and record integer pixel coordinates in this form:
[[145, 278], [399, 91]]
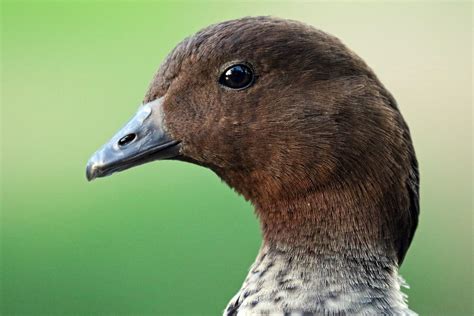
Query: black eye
[[237, 77]]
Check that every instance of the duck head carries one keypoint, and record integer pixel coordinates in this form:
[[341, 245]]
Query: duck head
[[291, 119]]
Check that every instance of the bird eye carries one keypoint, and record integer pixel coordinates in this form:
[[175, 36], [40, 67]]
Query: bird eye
[[237, 77]]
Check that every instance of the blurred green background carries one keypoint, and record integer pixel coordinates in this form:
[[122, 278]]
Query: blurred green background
[[170, 238]]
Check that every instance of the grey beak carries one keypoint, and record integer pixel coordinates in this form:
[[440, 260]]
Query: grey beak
[[141, 140]]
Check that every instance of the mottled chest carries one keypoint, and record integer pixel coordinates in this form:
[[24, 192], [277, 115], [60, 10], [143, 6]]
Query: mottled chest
[[279, 284]]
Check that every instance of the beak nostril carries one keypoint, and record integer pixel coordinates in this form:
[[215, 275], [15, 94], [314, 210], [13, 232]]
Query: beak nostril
[[127, 139]]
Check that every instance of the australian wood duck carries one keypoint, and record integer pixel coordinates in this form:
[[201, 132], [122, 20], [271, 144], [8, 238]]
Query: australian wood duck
[[299, 125]]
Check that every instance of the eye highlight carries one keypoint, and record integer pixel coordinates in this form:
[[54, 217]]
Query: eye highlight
[[237, 77]]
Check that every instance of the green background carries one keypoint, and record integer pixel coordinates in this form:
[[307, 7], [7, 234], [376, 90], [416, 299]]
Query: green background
[[171, 238]]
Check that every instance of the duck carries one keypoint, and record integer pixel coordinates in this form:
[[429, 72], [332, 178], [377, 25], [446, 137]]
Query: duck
[[299, 125]]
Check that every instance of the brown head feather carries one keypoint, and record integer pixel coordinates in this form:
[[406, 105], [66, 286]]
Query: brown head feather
[[317, 143]]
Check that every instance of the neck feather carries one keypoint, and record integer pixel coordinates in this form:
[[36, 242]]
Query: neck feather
[[320, 256], [279, 282]]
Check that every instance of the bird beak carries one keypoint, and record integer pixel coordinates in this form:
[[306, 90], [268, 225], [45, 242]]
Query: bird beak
[[141, 140]]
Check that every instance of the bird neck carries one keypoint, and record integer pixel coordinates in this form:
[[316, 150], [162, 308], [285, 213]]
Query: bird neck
[[320, 225], [280, 281], [317, 258]]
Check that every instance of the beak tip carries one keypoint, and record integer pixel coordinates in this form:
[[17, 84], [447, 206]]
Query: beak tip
[[91, 173]]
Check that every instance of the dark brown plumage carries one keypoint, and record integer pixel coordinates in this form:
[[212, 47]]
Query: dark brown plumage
[[317, 144], [318, 127]]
